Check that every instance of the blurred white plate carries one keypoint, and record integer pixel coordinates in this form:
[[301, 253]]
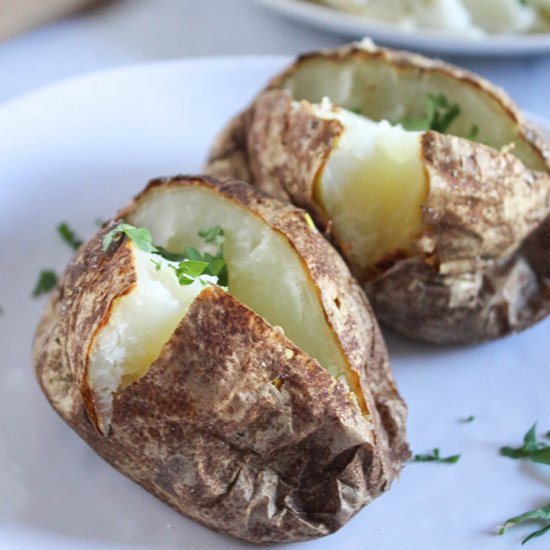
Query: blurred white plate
[[77, 151], [431, 40]]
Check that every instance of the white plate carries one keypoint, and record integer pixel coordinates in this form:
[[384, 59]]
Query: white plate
[[77, 151], [430, 40]]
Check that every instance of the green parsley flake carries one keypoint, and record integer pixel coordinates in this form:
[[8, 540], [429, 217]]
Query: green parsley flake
[[140, 236], [212, 235], [473, 133], [191, 264], [536, 451], [538, 514], [188, 271], [216, 265], [46, 282], [69, 236], [158, 265], [436, 457], [439, 114]]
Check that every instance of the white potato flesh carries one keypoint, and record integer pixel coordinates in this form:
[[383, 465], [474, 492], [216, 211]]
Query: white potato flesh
[[265, 272], [372, 187], [502, 15], [140, 323], [448, 15], [385, 10], [463, 17]]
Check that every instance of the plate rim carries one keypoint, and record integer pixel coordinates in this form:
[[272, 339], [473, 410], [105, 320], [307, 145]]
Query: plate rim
[[19, 103], [198, 61], [424, 39]]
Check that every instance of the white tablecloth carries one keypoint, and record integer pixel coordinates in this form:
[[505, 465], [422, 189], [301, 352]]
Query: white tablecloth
[[134, 31]]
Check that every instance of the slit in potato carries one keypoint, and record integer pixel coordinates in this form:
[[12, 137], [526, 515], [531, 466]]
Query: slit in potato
[[265, 273], [372, 186], [140, 323], [384, 86]]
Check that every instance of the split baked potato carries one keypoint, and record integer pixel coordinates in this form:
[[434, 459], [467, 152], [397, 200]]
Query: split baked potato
[[260, 402], [427, 178]]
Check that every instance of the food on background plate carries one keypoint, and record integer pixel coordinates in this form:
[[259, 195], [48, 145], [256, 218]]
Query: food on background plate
[[427, 179], [473, 18], [212, 346]]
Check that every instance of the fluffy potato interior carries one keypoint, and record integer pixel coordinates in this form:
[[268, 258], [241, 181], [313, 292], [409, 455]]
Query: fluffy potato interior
[[265, 272], [141, 322], [384, 91], [502, 15], [372, 186]]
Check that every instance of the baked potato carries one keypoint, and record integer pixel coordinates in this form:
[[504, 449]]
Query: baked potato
[[264, 409], [427, 179]]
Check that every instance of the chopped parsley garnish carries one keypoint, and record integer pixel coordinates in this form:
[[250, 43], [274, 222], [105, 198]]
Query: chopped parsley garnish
[[46, 282], [356, 110], [157, 265], [187, 271], [439, 114], [140, 236], [191, 264], [474, 132], [216, 265], [47, 279], [436, 457], [469, 419], [69, 236], [212, 235], [538, 514], [536, 451]]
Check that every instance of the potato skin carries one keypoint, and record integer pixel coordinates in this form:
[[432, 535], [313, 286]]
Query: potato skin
[[233, 425], [475, 272], [477, 276]]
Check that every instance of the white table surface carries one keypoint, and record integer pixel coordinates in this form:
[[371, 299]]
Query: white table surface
[[134, 31]]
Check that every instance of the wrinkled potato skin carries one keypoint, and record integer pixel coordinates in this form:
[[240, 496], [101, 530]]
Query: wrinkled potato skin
[[233, 425], [476, 272]]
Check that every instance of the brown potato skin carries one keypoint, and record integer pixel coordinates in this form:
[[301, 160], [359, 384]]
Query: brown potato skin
[[475, 273], [233, 425]]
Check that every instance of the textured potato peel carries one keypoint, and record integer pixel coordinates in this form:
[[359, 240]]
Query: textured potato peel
[[233, 425]]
